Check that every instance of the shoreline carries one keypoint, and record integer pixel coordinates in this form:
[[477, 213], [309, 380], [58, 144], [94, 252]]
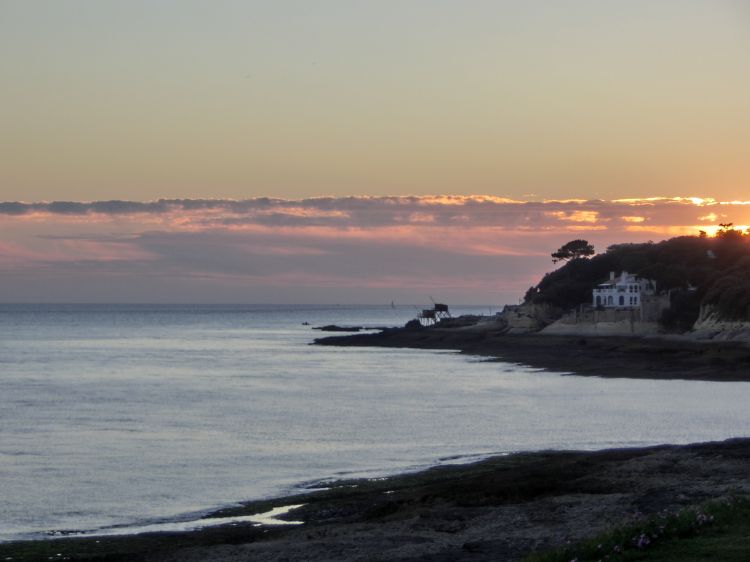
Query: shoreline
[[192, 520], [499, 508], [601, 356]]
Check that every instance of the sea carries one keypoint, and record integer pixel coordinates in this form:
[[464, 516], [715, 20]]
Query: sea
[[116, 417]]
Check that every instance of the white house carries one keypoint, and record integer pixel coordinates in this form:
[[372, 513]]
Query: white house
[[622, 292]]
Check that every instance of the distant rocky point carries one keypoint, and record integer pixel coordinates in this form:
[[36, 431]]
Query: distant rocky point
[[337, 328]]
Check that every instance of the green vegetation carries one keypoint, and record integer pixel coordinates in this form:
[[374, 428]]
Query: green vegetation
[[697, 270], [715, 531]]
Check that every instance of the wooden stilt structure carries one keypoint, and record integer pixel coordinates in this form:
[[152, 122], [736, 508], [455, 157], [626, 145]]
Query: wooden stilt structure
[[431, 316]]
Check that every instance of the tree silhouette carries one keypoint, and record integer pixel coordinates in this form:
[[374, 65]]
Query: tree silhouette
[[727, 231], [573, 250]]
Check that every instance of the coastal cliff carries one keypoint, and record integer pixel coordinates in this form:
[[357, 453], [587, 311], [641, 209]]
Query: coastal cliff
[[712, 326], [527, 317]]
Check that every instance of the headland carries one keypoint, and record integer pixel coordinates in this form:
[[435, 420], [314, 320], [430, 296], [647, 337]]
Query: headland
[[654, 357]]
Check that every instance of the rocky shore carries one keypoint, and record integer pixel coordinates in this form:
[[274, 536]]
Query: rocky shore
[[498, 509], [664, 357], [501, 508]]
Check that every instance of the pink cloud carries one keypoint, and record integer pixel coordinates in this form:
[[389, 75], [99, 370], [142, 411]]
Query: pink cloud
[[11, 253], [475, 246]]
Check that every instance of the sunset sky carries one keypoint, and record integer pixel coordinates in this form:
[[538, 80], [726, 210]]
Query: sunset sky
[[357, 151]]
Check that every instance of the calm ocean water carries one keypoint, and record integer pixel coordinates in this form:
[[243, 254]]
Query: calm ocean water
[[121, 415]]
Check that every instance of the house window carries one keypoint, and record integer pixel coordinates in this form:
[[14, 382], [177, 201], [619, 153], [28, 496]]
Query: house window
[[622, 300], [598, 301], [609, 300]]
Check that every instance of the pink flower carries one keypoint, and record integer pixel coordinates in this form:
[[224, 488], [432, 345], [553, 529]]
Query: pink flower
[[642, 541]]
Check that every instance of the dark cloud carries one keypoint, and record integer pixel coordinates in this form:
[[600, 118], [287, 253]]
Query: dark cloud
[[368, 212], [14, 208]]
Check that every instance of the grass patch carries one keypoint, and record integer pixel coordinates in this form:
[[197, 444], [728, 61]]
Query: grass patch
[[718, 530]]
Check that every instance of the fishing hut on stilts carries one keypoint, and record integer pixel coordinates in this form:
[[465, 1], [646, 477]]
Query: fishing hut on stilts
[[431, 316]]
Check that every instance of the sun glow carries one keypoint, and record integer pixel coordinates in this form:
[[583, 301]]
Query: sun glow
[[697, 201], [575, 216]]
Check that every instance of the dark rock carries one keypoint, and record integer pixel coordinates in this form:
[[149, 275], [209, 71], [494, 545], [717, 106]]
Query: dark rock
[[335, 328]]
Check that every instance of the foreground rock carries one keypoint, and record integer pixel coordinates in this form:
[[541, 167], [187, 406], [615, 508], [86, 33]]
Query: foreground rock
[[500, 509]]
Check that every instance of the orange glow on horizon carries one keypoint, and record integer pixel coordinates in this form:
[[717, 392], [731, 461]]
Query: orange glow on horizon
[[575, 216], [683, 230]]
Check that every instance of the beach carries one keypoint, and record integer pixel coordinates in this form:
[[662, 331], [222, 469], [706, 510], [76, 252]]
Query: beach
[[501, 508]]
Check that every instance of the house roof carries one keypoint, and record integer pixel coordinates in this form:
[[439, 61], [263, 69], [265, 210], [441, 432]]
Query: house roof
[[624, 278]]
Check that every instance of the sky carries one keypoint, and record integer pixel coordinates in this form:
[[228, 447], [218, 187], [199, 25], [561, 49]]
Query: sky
[[357, 151]]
